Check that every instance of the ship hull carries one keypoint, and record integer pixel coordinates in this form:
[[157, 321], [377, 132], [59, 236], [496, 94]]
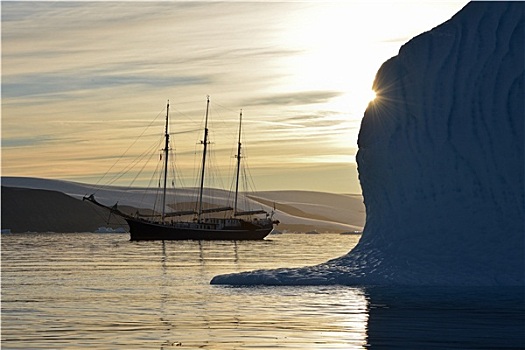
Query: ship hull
[[141, 230]]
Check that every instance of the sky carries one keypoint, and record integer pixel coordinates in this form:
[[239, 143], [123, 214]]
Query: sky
[[85, 85]]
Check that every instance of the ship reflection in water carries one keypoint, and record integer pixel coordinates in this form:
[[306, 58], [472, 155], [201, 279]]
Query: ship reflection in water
[[102, 291]]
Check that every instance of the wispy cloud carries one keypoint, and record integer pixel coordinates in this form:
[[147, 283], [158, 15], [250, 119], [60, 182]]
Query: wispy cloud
[[31, 85], [294, 98], [16, 142]]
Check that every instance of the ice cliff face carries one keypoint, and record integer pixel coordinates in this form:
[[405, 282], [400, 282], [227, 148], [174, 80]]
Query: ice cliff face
[[441, 162], [441, 151]]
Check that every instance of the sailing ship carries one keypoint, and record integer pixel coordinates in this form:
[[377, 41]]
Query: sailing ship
[[238, 225]]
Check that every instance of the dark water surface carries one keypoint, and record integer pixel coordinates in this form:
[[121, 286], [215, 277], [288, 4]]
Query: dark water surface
[[100, 291]]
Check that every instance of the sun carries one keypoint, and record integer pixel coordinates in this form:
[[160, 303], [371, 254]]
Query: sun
[[370, 96], [334, 54]]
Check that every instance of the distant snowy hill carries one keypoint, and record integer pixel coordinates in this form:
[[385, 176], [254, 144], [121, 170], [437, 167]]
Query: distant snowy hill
[[298, 211], [440, 161]]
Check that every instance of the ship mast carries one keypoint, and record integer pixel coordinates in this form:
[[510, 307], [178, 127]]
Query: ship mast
[[238, 156], [166, 152], [205, 144]]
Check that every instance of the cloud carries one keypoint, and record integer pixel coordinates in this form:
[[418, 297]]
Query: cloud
[[16, 142], [29, 85], [294, 98]]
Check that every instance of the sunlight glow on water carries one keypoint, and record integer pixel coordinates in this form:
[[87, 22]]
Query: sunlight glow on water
[[87, 290]]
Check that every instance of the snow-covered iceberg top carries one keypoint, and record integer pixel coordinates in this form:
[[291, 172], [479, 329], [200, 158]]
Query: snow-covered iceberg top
[[440, 161]]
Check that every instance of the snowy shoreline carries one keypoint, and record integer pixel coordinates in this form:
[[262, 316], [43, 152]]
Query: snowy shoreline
[[298, 211]]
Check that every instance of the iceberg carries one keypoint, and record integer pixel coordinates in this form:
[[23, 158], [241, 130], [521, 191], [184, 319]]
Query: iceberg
[[440, 163]]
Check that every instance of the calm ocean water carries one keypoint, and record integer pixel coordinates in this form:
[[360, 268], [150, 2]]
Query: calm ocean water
[[100, 291]]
